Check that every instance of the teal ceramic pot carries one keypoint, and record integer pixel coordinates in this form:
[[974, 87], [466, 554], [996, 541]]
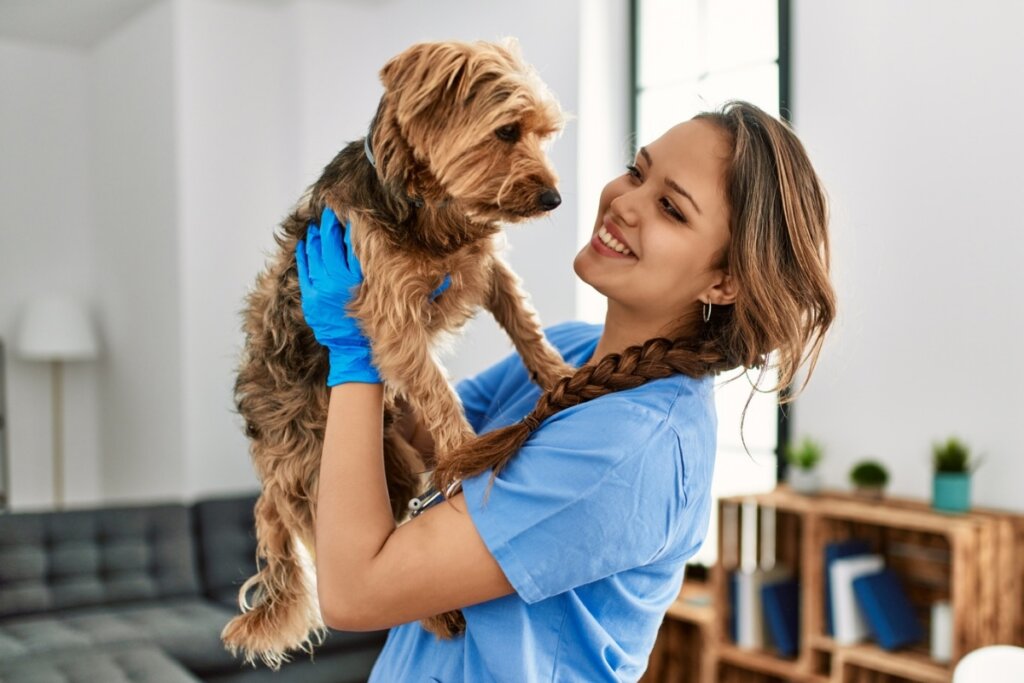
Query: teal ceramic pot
[[951, 491]]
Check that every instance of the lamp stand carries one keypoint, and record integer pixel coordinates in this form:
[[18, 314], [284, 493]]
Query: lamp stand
[[57, 394]]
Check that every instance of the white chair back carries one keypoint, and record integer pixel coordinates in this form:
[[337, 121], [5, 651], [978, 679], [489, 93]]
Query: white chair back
[[991, 664]]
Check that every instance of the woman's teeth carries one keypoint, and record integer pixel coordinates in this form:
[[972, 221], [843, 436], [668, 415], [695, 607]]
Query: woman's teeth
[[609, 241]]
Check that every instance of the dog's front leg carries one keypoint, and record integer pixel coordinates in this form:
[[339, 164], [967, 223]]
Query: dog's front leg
[[508, 303], [402, 354]]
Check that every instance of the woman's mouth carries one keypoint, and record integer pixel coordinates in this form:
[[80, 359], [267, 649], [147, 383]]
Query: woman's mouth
[[605, 243]]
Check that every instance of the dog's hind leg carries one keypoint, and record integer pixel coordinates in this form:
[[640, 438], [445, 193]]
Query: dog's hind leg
[[280, 610], [509, 304]]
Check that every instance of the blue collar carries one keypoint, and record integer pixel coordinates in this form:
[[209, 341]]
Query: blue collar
[[367, 150]]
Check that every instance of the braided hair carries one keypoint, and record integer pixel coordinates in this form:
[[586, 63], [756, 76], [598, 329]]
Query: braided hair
[[654, 359]]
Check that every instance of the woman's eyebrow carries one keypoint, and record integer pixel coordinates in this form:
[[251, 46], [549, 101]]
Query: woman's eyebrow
[[671, 183]]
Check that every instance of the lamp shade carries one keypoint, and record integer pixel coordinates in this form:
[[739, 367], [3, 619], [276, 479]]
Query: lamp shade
[[56, 328]]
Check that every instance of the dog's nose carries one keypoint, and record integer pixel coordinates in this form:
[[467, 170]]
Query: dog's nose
[[549, 199]]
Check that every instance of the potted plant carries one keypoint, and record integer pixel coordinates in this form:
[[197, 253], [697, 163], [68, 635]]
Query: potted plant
[[869, 478], [951, 486], [803, 459]]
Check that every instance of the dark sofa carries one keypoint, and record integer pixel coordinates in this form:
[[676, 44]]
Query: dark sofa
[[141, 594]]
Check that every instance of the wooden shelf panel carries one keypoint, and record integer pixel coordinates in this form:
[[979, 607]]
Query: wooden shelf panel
[[758, 660], [912, 665], [694, 604], [906, 663], [891, 512]]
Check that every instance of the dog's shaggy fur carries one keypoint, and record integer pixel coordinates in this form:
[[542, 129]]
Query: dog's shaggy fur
[[457, 141]]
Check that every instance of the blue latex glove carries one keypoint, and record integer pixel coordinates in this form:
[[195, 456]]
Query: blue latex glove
[[329, 274]]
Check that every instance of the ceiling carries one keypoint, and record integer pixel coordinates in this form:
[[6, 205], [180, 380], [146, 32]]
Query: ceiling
[[69, 23]]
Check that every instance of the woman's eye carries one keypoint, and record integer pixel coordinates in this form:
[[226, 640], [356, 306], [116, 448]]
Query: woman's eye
[[633, 171], [672, 211]]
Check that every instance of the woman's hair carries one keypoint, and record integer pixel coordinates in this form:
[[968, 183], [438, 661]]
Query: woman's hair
[[779, 254]]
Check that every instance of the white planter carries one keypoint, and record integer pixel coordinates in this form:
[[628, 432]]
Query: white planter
[[807, 482]]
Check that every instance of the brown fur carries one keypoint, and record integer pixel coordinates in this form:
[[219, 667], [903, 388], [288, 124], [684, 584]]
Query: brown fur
[[443, 182]]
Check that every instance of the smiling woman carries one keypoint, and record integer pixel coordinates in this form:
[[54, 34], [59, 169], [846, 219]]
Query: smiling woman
[[579, 506]]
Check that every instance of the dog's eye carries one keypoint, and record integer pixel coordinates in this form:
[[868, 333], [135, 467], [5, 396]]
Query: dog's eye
[[508, 133]]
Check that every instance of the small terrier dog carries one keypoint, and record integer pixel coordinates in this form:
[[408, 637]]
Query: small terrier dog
[[454, 150]]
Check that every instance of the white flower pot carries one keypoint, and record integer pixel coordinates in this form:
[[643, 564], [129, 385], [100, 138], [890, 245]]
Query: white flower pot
[[807, 482]]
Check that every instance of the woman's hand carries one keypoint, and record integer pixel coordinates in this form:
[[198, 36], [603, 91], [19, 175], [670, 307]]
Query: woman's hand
[[329, 274]]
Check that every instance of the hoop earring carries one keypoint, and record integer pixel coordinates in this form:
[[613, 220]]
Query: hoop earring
[[707, 311]]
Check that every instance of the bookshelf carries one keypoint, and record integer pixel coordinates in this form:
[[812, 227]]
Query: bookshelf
[[974, 561]]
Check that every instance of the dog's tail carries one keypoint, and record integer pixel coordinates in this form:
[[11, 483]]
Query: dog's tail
[[279, 606]]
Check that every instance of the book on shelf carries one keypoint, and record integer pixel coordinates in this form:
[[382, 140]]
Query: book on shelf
[[888, 612], [781, 603], [750, 628], [833, 552], [847, 618]]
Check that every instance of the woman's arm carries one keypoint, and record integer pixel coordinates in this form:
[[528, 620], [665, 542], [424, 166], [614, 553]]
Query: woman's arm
[[370, 574]]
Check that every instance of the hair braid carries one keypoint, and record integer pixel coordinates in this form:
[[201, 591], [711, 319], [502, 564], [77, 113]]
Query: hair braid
[[654, 359]]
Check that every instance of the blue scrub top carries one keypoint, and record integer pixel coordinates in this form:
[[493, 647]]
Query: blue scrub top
[[592, 523]]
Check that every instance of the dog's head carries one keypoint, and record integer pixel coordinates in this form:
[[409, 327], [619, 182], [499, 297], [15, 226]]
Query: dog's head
[[468, 122]]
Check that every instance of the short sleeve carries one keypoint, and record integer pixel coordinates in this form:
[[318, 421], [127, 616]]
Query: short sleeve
[[477, 392], [594, 493]]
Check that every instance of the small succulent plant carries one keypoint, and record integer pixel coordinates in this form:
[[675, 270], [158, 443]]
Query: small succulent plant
[[806, 455], [952, 455], [869, 474]]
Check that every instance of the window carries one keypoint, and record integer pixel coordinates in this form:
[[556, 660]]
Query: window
[[690, 56]]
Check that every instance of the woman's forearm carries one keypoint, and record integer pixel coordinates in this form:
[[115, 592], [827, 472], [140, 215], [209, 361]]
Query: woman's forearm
[[353, 512]]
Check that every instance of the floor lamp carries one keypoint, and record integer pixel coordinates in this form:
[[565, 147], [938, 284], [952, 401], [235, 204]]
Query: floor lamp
[[57, 329]]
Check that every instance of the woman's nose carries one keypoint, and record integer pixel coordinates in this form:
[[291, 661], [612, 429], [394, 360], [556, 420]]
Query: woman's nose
[[625, 207]]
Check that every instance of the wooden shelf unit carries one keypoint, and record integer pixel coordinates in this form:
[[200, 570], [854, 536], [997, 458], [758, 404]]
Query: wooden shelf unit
[[973, 560]]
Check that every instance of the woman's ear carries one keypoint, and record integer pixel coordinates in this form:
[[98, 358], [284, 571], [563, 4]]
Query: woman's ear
[[724, 291]]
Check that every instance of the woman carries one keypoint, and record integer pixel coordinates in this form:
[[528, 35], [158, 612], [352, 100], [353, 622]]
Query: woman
[[712, 251]]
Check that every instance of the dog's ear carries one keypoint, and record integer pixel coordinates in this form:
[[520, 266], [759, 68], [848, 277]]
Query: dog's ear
[[420, 75]]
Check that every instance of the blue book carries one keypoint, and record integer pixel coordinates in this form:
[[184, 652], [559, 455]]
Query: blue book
[[833, 552], [781, 604], [888, 612], [734, 631]]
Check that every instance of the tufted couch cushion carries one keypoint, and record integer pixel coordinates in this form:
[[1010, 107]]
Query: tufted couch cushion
[[226, 539], [186, 629], [78, 558], [141, 594], [111, 665]]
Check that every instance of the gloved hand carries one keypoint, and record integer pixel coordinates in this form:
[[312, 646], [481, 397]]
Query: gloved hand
[[329, 274]]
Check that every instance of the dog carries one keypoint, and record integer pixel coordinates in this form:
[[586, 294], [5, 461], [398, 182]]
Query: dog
[[455, 149]]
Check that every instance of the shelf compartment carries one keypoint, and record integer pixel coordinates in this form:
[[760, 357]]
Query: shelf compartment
[[910, 664], [679, 654], [759, 660], [870, 663]]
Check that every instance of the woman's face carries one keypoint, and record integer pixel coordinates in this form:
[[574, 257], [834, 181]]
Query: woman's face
[[663, 226]]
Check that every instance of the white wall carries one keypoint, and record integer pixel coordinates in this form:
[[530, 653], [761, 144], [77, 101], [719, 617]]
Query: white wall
[[238, 108], [46, 246], [133, 176], [910, 111]]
